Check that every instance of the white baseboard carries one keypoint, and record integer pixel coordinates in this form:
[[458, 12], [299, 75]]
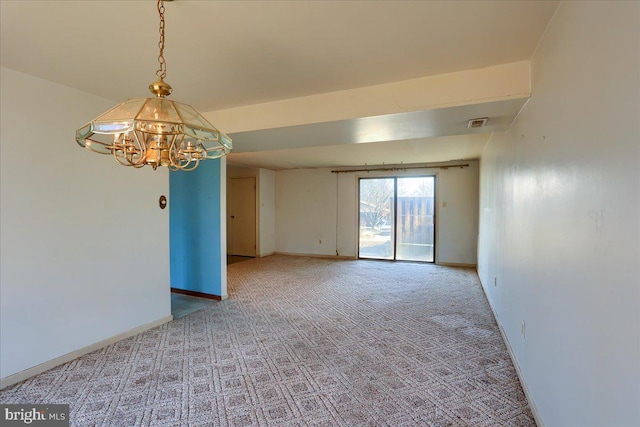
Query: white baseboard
[[316, 255], [38, 369], [446, 264], [266, 254], [456, 264], [525, 388]]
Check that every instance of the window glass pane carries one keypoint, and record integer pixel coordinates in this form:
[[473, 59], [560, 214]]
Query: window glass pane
[[415, 220], [376, 218]]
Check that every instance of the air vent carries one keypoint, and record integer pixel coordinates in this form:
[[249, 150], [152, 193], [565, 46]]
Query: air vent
[[477, 123]]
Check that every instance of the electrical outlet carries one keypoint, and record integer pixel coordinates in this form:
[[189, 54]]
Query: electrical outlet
[[523, 329]]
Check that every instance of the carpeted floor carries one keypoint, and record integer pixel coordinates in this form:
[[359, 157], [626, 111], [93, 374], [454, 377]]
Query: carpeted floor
[[305, 342]]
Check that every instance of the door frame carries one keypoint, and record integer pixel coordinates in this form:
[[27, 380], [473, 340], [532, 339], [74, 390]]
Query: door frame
[[255, 213], [395, 215]]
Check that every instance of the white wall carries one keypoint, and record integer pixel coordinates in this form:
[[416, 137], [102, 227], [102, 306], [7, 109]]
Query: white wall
[[560, 220], [84, 245], [306, 211], [266, 206], [310, 202]]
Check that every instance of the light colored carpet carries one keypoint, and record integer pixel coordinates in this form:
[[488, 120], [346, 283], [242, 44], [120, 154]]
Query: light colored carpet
[[305, 342]]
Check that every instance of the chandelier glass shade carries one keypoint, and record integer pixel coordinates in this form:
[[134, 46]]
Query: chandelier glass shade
[[155, 131]]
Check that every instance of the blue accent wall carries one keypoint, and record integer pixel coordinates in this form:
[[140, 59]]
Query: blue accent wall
[[194, 221]]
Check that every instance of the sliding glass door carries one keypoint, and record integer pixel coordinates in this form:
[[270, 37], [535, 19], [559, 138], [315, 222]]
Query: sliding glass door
[[415, 220], [397, 218]]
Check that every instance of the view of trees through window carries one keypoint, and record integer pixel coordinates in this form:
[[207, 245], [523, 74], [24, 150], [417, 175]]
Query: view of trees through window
[[397, 218]]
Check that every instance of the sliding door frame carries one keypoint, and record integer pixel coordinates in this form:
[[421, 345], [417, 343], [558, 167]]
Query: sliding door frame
[[395, 215]]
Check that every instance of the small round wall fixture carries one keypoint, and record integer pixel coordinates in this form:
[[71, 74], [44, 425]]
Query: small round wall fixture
[[162, 202]]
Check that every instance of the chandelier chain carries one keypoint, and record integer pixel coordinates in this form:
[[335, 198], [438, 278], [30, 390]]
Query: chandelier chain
[[162, 70]]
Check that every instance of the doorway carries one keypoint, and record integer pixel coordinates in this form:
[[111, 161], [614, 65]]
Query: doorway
[[397, 218], [242, 217]]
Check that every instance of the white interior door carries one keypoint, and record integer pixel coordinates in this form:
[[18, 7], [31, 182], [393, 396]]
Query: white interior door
[[242, 217]]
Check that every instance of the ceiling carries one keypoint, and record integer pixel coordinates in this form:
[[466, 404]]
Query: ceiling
[[417, 137], [223, 54]]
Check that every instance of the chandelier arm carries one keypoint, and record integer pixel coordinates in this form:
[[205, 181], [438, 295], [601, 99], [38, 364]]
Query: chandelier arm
[[174, 148], [195, 165], [119, 159], [141, 144], [176, 161], [118, 149], [125, 159], [142, 153], [173, 160]]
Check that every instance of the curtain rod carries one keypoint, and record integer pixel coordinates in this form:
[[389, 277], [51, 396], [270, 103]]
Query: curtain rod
[[401, 168]]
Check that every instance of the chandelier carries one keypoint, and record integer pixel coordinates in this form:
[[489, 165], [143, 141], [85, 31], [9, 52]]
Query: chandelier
[[155, 131]]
